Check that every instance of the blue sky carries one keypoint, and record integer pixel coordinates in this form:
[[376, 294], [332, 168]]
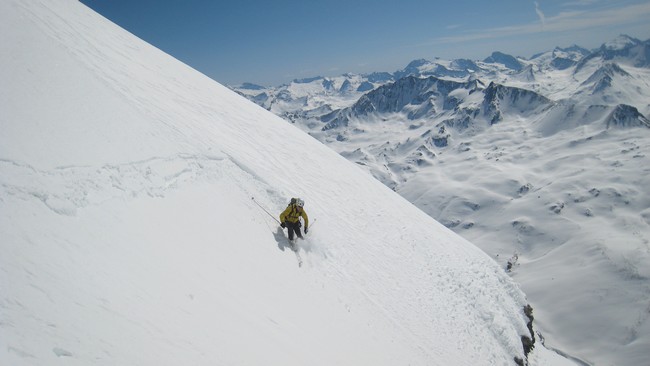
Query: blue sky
[[273, 42]]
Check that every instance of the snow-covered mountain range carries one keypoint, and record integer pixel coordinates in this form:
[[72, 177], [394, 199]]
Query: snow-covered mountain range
[[137, 225], [544, 163]]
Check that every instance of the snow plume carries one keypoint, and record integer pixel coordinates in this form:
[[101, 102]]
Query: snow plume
[[540, 14]]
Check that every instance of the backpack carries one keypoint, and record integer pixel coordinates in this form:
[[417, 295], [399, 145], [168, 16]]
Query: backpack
[[292, 204], [296, 202]]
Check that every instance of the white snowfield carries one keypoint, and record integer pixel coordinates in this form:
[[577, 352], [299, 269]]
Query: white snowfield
[[128, 233]]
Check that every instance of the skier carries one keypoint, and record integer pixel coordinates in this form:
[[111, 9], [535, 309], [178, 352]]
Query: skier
[[290, 218]]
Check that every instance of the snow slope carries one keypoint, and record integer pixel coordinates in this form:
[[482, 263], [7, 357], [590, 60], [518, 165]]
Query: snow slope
[[129, 236]]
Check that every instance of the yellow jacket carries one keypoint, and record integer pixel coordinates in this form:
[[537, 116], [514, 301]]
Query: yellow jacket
[[293, 214]]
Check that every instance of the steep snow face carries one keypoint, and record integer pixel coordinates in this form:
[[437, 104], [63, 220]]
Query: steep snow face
[[129, 235]]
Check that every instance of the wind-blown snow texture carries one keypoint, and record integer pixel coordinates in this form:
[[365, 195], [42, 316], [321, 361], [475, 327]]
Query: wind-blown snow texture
[[541, 162], [129, 236]]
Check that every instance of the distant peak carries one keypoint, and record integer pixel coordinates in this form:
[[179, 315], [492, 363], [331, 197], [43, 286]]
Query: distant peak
[[614, 68], [508, 61], [621, 42], [610, 70], [574, 49], [417, 63], [625, 115], [307, 80], [251, 86]]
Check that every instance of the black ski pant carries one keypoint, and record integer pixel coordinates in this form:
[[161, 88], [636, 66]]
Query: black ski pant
[[293, 227]]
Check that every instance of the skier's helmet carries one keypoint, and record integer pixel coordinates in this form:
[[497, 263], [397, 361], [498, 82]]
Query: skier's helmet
[[300, 202]]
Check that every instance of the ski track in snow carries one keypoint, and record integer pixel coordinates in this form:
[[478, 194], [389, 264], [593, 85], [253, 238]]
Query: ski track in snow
[[64, 190]]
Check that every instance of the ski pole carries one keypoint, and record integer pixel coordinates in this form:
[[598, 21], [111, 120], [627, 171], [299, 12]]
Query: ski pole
[[311, 225], [260, 206]]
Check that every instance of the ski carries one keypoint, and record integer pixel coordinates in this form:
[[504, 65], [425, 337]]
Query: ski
[[294, 248]]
